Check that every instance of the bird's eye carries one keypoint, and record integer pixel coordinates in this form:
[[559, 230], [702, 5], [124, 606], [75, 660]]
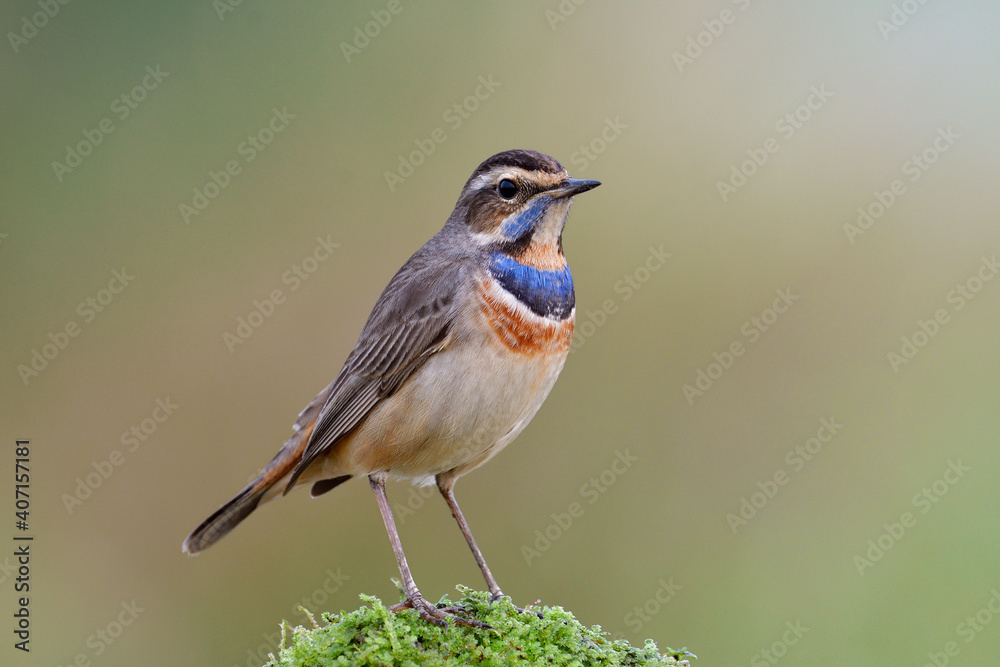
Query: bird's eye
[[507, 188]]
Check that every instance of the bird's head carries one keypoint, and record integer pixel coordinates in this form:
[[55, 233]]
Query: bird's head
[[518, 198]]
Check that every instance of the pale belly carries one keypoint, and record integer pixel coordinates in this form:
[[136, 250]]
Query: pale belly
[[465, 403]]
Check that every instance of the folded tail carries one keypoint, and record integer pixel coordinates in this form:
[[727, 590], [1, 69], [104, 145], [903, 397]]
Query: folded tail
[[266, 486], [215, 527]]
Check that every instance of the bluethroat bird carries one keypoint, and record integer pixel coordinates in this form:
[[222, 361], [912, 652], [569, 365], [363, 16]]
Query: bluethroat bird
[[456, 358]]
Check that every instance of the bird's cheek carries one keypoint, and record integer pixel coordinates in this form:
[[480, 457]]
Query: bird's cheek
[[527, 219]]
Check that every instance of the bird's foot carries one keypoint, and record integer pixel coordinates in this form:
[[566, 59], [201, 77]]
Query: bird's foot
[[437, 615], [498, 595]]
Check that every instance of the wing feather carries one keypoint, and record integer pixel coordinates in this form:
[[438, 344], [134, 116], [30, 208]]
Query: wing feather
[[410, 322]]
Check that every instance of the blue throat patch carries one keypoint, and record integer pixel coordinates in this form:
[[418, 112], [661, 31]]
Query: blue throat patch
[[546, 293], [517, 226]]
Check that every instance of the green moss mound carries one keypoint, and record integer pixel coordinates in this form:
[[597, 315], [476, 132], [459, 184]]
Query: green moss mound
[[373, 635]]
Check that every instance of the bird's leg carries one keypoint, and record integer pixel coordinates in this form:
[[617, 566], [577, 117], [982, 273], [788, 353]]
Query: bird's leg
[[445, 486], [414, 599]]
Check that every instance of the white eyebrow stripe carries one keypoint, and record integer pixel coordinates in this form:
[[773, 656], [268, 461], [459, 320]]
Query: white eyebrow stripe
[[515, 173], [482, 180]]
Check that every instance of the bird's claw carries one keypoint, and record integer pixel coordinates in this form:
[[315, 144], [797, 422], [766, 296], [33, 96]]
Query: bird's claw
[[437, 615], [498, 595]]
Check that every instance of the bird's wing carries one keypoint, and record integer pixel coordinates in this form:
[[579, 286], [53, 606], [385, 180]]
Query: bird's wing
[[409, 323]]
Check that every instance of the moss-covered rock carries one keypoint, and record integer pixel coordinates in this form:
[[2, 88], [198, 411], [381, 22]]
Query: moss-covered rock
[[373, 635]]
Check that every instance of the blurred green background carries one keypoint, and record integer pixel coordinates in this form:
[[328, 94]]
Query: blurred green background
[[661, 103]]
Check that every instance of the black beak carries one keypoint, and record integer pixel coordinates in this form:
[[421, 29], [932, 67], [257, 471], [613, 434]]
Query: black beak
[[572, 186]]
